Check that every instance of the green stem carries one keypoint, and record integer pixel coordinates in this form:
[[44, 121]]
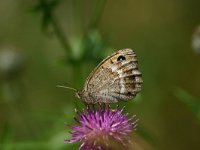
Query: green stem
[[60, 34], [97, 14], [78, 18]]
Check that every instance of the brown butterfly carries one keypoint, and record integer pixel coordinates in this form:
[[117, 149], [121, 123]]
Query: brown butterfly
[[115, 79]]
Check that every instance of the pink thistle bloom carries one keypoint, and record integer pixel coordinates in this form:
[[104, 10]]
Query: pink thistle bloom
[[102, 129]]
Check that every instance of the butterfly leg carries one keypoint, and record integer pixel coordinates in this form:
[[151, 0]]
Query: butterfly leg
[[86, 104], [90, 107], [93, 107], [108, 106], [101, 106]]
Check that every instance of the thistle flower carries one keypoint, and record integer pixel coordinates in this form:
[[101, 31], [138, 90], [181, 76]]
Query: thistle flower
[[102, 129]]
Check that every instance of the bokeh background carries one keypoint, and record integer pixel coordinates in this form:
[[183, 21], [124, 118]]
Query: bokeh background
[[44, 43]]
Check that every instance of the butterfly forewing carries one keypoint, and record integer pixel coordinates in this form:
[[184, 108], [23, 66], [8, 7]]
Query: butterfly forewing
[[115, 79]]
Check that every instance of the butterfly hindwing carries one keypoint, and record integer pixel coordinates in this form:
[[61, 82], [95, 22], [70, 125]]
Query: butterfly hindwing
[[115, 79]]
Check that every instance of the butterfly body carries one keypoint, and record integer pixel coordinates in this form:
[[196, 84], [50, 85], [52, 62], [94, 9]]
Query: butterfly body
[[115, 79]]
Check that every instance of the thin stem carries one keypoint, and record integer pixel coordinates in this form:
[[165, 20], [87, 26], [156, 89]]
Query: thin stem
[[60, 34], [97, 14], [78, 18]]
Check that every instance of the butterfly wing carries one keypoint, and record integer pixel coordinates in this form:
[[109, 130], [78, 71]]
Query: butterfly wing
[[115, 79]]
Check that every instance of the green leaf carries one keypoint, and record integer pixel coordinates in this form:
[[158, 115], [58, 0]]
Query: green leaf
[[190, 101]]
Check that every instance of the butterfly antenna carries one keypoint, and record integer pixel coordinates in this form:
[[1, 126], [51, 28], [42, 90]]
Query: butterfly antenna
[[66, 87]]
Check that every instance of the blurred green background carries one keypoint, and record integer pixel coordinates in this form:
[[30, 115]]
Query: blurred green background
[[44, 43]]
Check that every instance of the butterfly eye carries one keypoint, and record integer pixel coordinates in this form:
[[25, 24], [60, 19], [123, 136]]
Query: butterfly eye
[[121, 58]]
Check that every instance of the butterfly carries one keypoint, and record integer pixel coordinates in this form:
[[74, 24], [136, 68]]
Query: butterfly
[[115, 79]]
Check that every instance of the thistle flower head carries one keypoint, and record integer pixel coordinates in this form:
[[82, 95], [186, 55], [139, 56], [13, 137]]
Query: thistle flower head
[[102, 129]]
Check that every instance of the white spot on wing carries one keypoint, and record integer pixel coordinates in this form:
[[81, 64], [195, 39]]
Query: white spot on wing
[[136, 72], [121, 81], [114, 68]]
